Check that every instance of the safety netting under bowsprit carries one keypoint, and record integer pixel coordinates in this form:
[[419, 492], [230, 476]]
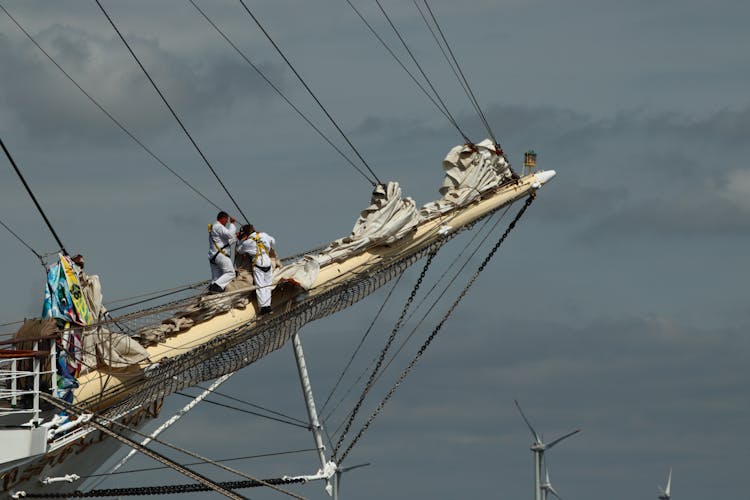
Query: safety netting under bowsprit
[[136, 320], [240, 346], [243, 345]]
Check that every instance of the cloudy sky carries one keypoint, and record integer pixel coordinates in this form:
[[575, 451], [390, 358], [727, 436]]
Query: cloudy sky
[[618, 306]]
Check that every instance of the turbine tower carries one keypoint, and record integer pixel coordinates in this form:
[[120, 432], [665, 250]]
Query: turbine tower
[[539, 447], [664, 493]]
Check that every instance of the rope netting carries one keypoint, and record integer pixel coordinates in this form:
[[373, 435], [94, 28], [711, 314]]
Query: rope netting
[[245, 344], [248, 343]]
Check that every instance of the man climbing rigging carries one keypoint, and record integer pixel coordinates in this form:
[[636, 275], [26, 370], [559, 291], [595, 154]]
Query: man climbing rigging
[[220, 238], [259, 246]]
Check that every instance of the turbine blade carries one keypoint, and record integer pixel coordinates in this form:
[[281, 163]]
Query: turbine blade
[[553, 443], [552, 490], [352, 467], [340, 473], [669, 482], [533, 432]]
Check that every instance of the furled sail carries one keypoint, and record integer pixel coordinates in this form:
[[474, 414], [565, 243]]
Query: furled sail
[[470, 170], [206, 336]]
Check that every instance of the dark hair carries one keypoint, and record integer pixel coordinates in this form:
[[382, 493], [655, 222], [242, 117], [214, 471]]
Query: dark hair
[[222, 214], [246, 230]]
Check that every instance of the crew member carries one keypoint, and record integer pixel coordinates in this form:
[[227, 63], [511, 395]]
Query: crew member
[[259, 246], [220, 239]]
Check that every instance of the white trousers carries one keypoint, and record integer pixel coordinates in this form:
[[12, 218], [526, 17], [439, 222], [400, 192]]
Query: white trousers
[[222, 270], [263, 280]]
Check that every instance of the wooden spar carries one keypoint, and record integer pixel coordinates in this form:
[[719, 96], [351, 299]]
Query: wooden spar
[[93, 384]]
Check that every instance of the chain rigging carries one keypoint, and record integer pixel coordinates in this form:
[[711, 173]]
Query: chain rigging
[[103, 424], [170, 489], [445, 317], [383, 353]]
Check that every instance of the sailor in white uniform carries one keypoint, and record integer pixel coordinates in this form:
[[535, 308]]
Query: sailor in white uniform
[[259, 246], [220, 239]]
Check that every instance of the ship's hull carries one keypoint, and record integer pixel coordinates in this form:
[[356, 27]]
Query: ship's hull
[[81, 456]]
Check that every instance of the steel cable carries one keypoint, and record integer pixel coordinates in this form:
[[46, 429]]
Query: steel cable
[[383, 353], [312, 94], [33, 198], [437, 329], [278, 91], [107, 113], [403, 66], [419, 66], [359, 346], [174, 113], [472, 97]]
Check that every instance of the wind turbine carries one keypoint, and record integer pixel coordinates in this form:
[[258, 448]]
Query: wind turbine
[[539, 447], [547, 485], [340, 476], [665, 494]]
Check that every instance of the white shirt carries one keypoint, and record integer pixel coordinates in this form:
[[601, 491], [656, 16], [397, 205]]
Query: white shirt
[[220, 237], [250, 247]]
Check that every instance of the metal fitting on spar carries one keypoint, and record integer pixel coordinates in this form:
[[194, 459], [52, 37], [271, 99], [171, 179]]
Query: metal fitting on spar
[[542, 178]]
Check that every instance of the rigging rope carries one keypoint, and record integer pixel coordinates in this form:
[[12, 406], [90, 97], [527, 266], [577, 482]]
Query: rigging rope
[[174, 114], [95, 422], [244, 344], [354, 354], [445, 290], [302, 81], [455, 66], [439, 326], [97, 418], [33, 198], [104, 110], [415, 309], [419, 66], [200, 285], [165, 294], [383, 353], [229, 407], [279, 92], [181, 413], [460, 254], [214, 391], [413, 78], [233, 459], [40, 257]]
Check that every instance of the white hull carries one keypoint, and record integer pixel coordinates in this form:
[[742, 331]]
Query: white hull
[[81, 456]]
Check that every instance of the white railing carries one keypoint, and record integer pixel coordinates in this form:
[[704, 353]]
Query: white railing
[[16, 385]]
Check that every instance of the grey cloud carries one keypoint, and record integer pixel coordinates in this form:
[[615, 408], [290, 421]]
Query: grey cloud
[[682, 214], [195, 88], [187, 221], [727, 127], [628, 174]]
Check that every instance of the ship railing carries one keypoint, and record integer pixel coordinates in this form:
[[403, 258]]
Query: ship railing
[[22, 378]]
